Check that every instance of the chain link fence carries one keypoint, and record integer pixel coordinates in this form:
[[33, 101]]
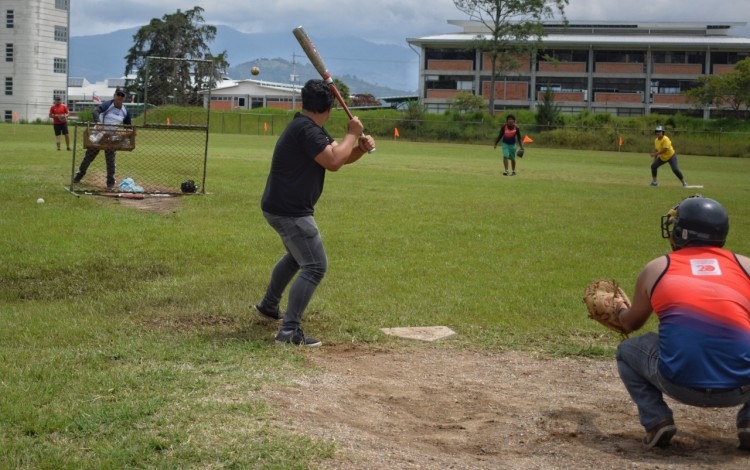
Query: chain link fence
[[165, 150]]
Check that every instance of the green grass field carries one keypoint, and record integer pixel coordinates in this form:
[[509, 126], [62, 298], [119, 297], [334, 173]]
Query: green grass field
[[126, 338]]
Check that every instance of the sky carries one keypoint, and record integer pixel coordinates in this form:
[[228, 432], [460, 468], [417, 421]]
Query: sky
[[380, 21]]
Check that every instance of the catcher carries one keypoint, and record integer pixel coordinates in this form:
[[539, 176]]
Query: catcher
[[701, 295]]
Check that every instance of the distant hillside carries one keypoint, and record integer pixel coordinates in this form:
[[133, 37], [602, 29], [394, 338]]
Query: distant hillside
[[280, 70], [365, 67]]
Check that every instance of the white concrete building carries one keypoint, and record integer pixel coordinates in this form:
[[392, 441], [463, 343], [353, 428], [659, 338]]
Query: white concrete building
[[250, 94], [35, 38]]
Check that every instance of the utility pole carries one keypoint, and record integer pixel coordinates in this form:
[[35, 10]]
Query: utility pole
[[293, 78]]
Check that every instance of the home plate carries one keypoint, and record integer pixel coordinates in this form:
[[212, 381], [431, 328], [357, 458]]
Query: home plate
[[694, 186], [424, 333]]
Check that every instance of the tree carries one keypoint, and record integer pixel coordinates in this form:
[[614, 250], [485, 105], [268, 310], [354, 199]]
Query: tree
[[549, 114], [466, 102], [732, 89], [514, 27], [180, 35], [344, 91]]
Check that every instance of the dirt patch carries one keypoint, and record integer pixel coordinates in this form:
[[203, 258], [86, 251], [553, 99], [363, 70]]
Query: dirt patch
[[162, 205], [441, 408]]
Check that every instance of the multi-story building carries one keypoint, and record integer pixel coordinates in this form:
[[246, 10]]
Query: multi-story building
[[624, 68], [34, 35]]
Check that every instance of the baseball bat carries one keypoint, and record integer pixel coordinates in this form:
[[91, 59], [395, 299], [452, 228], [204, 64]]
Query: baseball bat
[[317, 61]]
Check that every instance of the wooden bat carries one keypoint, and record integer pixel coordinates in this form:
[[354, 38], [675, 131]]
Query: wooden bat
[[317, 61]]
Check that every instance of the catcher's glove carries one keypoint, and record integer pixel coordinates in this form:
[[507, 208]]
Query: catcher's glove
[[603, 298], [189, 186], [519, 154]]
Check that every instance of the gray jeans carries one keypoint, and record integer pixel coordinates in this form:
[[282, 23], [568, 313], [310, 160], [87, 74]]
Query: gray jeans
[[304, 255], [638, 365]]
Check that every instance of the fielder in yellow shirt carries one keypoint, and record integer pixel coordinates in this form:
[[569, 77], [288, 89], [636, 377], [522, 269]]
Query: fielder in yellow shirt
[[664, 154]]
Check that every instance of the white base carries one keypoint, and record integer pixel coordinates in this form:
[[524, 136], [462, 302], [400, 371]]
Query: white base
[[423, 333]]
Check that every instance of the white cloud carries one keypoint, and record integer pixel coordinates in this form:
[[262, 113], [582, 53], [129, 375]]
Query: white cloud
[[386, 21]]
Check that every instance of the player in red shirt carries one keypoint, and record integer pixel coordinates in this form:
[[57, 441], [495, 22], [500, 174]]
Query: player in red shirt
[[59, 114]]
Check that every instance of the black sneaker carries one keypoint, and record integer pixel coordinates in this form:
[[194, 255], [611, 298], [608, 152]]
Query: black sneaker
[[78, 178], [295, 337], [268, 315], [743, 432], [660, 435], [110, 184]]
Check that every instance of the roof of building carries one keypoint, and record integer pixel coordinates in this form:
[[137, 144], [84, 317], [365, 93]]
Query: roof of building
[[610, 33], [603, 40]]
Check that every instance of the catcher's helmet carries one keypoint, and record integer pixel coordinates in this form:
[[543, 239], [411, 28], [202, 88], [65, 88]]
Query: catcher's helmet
[[519, 154], [696, 221], [189, 186]]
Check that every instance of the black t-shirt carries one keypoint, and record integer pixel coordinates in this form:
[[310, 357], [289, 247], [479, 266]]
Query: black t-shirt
[[295, 181]]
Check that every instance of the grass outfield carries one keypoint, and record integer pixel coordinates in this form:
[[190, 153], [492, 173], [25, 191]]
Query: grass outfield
[[125, 335]]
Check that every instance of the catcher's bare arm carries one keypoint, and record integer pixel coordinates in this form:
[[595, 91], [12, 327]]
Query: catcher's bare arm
[[640, 309]]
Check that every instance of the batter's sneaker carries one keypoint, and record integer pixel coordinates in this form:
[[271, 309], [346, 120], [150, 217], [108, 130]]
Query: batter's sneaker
[[295, 337], [513, 174], [505, 173], [743, 432], [660, 435], [78, 177], [654, 183], [268, 315]]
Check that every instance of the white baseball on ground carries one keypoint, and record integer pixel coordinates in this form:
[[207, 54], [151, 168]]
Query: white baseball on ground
[[40, 201]]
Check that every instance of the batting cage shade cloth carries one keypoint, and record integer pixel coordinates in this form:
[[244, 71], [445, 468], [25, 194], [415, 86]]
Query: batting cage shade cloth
[[110, 139]]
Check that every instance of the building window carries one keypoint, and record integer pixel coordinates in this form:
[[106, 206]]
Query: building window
[[8, 115], [61, 65], [9, 18], [61, 4], [61, 33], [9, 52], [9, 86], [61, 93]]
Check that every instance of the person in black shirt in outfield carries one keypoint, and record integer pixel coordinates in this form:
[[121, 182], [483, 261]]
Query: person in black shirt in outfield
[[303, 153]]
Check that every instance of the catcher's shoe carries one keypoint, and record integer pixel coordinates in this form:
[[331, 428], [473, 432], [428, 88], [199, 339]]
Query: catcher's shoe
[[268, 315], [743, 432], [660, 435]]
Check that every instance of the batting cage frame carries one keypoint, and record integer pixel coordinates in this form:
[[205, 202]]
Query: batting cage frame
[[164, 152]]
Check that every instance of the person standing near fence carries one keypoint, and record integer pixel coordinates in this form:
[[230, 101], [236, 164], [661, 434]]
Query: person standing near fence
[[664, 153], [509, 134], [108, 116], [59, 114]]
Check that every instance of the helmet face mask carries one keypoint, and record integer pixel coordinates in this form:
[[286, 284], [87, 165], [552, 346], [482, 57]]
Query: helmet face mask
[[696, 221]]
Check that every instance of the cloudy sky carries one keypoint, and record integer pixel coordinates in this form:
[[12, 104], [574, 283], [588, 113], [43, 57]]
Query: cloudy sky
[[383, 21]]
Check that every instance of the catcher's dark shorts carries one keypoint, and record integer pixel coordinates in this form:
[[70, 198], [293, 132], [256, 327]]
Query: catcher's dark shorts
[[61, 129]]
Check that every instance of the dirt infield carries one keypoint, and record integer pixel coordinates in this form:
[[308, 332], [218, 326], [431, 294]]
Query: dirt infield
[[436, 408]]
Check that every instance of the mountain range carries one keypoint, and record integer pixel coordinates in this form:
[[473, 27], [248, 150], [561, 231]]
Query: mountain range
[[365, 67]]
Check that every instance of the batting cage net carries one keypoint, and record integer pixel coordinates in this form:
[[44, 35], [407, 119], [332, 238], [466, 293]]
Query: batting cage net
[[165, 148]]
